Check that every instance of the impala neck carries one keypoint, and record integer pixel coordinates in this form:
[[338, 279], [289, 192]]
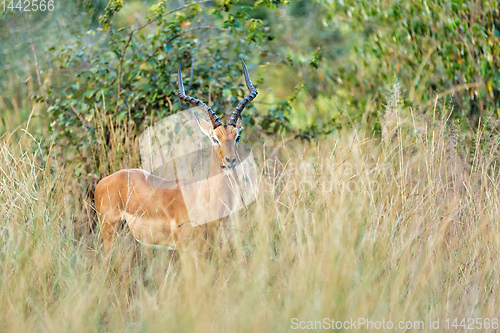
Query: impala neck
[[221, 183]]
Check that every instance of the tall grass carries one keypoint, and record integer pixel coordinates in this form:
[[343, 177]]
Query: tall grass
[[402, 228]]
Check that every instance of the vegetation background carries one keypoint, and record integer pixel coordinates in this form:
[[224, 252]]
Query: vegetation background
[[376, 128]]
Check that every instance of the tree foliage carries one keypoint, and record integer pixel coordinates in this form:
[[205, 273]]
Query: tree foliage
[[445, 48]]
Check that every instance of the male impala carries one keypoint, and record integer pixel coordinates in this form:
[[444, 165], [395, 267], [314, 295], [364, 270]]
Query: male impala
[[153, 207]]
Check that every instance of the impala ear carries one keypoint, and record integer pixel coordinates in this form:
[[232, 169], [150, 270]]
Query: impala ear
[[238, 124], [204, 125]]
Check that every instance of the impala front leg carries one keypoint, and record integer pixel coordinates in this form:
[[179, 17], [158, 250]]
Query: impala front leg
[[110, 225]]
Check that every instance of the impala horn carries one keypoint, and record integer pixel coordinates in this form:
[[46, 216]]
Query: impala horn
[[196, 102], [253, 93]]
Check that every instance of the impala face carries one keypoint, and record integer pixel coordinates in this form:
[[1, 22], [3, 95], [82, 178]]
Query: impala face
[[225, 138]]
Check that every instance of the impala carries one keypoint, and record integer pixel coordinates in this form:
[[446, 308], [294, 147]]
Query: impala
[[154, 208]]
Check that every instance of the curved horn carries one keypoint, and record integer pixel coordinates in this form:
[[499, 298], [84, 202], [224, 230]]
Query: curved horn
[[253, 93], [196, 102]]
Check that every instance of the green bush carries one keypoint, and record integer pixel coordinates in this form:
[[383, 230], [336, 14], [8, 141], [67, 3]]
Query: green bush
[[446, 48]]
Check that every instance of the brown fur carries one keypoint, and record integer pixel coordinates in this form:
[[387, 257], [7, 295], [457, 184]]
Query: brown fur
[[157, 214]]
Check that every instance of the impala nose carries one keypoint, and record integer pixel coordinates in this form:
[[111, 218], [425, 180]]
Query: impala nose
[[230, 162]]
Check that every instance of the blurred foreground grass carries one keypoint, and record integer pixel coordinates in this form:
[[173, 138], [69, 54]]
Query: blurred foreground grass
[[399, 228]]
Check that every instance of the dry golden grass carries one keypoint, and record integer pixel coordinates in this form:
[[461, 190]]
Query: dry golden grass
[[401, 228]]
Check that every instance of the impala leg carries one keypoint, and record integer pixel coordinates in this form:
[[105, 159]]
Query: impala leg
[[191, 245], [110, 226]]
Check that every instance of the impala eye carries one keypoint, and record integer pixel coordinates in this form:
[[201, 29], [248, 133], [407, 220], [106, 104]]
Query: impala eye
[[214, 139], [237, 139]]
